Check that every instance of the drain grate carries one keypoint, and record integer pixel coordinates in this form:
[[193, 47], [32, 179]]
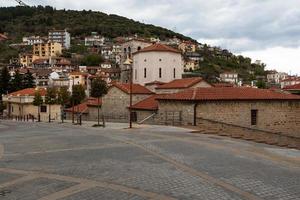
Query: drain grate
[[3, 193]]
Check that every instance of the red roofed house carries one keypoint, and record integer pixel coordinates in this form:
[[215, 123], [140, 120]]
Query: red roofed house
[[244, 107], [116, 102], [181, 84], [157, 62], [88, 110], [294, 89], [19, 104]]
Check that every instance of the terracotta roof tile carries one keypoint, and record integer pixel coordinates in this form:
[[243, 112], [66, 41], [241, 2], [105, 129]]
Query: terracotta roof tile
[[28, 92], [158, 47], [136, 88], [292, 87], [149, 103], [155, 83], [223, 85], [83, 107], [181, 83], [206, 94]]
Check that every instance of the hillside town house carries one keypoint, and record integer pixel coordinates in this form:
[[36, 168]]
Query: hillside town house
[[289, 81], [62, 37], [276, 77], [229, 77], [20, 104]]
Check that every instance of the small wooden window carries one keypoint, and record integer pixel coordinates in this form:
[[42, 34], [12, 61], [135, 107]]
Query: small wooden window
[[43, 109], [174, 73], [159, 72], [254, 117]]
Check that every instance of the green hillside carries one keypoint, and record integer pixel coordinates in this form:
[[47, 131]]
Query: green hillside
[[19, 21]]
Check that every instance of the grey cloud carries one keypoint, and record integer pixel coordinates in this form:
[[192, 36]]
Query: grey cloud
[[240, 25]]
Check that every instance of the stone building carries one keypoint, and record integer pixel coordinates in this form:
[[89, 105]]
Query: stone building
[[19, 104], [116, 102], [251, 108], [157, 62]]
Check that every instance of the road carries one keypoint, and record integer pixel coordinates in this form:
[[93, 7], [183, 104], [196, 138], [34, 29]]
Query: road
[[66, 162]]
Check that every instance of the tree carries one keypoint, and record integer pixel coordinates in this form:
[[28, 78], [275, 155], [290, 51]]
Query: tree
[[16, 82], [63, 98], [99, 88], [51, 99], [92, 60], [28, 80], [261, 84], [4, 85], [4, 81], [38, 101], [78, 94]]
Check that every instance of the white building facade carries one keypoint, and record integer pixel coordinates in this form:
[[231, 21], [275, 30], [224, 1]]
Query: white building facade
[[60, 36], [157, 63]]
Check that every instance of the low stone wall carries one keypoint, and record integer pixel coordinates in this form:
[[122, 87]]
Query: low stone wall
[[246, 133]]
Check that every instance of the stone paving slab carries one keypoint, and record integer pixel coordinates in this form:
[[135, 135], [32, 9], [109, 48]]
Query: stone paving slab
[[103, 194], [34, 189], [5, 177]]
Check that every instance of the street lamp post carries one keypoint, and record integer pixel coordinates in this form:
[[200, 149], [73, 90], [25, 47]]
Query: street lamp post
[[128, 64]]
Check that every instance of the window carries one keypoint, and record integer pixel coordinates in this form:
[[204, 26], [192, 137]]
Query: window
[[145, 73], [174, 73], [160, 60], [159, 72], [135, 74], [43, 109], [139, 48], [145, 60], [254, 117]]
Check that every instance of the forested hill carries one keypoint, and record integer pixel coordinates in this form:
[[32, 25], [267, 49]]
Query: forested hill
[[19, 21]]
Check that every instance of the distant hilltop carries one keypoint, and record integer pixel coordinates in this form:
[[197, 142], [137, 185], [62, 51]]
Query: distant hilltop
[[21, 21]]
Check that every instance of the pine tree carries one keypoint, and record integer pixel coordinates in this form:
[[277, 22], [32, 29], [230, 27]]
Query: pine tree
[[28, 80], [16, 82], [4, 81]]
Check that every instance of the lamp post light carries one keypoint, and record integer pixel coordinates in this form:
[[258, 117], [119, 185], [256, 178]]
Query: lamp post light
[[128, 65]]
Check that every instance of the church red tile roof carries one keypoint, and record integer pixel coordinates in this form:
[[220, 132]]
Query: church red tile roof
[[28, 92], [158, 47], [181, 83], [155, 83], [136, 88], [149, 103], [215, 94]]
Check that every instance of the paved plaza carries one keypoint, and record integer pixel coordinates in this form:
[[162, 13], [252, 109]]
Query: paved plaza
[[66, 162]]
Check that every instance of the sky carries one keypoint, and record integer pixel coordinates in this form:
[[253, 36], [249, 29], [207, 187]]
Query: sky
[[267, 30]]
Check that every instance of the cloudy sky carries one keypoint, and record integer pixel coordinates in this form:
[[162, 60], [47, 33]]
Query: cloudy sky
[[267, 30]]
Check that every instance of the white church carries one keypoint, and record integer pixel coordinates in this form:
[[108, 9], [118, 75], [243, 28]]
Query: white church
[[157, 62]]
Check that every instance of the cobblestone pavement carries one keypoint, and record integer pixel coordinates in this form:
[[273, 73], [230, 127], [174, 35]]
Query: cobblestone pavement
[[66, 162]]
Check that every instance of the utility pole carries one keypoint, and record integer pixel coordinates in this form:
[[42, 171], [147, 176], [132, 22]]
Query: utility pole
[[21, 3], [128, 64]]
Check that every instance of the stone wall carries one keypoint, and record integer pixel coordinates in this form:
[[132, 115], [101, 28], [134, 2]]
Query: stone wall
[[115, 104], [175, 113], [274, 116]]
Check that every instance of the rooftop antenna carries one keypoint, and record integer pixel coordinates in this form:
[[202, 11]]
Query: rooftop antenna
[[21, 3]]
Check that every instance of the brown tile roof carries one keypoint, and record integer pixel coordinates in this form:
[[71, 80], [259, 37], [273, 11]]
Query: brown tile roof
[[292, 87], [76, 73], [83, 107], [181, 83], [215, 94], [223, 85], [41, 61], [149, 103], [136, 88], [28, 92], [158, 47], [155, 83]]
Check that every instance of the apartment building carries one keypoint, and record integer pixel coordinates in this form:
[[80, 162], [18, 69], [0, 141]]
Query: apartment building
[[60, 36]]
